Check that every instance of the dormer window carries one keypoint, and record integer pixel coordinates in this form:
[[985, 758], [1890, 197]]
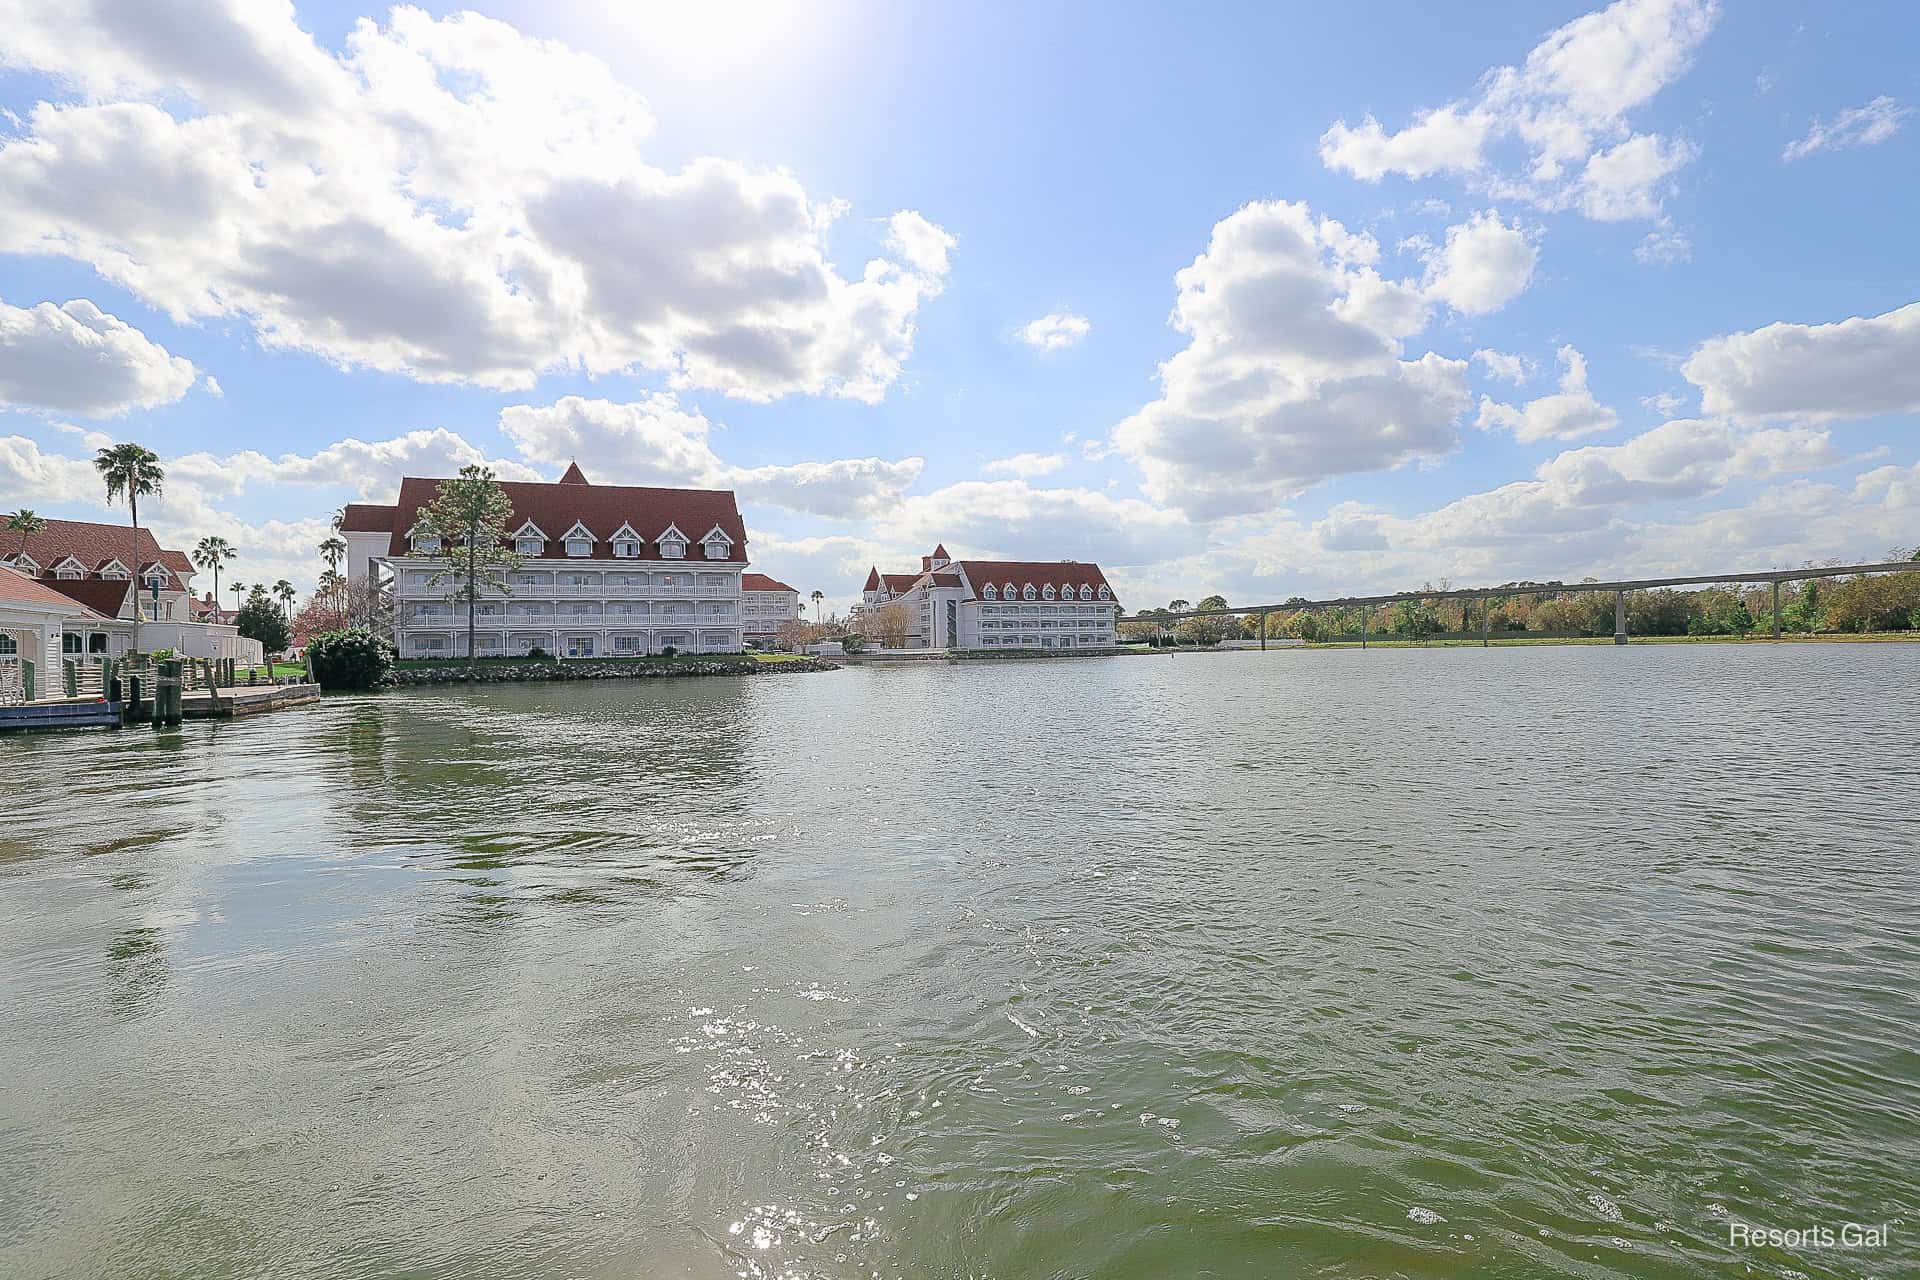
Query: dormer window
[[114, 571], [716, 550], [1047, 593], [69, 569], [529, 540], [426, 545], [578, 540], [719, 546], [990, 593], [25, 564], [156, 578], [627, 548], [1029, 593], [1104, 593], [673, 543], [1086, 592]]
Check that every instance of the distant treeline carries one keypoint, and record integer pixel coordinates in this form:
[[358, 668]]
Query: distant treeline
[[1868, 602]]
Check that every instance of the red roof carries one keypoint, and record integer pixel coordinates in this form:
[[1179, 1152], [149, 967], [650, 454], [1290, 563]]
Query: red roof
[[94, 545], [367, 517], [1060, 573], [602, 508], [940, 552], [103, 596], [898, 582], [573, 474], [20, 588], [873, 579], [761, 582]]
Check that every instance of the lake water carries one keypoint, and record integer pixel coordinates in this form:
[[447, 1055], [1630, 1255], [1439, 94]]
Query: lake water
[[1438, 963]]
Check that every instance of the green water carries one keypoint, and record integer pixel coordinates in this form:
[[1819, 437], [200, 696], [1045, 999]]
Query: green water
[[1449, 963]]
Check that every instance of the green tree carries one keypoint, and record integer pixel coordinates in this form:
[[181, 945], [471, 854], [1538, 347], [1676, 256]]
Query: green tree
[[469, 515], [1415, 619], [333, 550], [240, 591], [283, 592], [25, 523], [133, 472], [261, 619], [818, 596], [1176, 606], [211, 552], [1212, 602]]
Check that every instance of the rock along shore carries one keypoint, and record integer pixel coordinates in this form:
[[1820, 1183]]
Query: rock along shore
[[518, 672]]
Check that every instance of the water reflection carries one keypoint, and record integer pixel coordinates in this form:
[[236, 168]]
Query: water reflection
[[1415, 964]]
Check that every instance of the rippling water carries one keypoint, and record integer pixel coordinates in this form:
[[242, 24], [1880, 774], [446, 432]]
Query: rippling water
[[1442, 963]]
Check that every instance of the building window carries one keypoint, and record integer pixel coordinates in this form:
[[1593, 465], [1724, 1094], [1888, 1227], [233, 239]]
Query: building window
[[673, 549], [626, 549], [579, 547], [1104, 593], [9, 647], [529, 546], [1086, 592], [716, 550], [579, 646], [426, 546], [629, 645], [990, 593]]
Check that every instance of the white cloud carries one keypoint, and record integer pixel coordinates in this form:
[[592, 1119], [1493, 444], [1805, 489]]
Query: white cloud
[[657, 442], [211, 385], [1570, 412], [1483, 265], [1011, 519], [1055, 331], [1026, 466], [1293, 372], [1856, 368], [77, 359], [1499, 364], [371, 468], [1857, 127], [446, 198], [1665, 403], [1663, 247], [1566, 107]]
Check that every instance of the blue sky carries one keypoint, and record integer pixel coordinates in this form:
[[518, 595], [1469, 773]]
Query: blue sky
[[1271, 243]]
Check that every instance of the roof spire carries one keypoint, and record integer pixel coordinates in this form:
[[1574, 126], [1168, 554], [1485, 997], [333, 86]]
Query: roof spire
[[573, 474]]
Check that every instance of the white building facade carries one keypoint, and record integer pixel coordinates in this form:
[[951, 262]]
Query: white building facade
[[998, 604], [606, 571], [766, 605]]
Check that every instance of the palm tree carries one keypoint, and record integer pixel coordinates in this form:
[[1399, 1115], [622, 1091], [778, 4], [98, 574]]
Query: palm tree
[[131, 470], [333, 550], [284, 592], [25, 523], [818, 596], [239, 590], [210, 553]]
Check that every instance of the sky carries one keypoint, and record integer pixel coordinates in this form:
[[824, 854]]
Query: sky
[[1261, 301]]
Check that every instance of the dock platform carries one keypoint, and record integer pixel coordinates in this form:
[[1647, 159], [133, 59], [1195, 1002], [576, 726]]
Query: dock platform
[[245, 700]]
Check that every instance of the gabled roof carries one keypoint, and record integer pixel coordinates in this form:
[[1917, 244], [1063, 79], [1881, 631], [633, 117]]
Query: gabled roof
[[940, 552], [761, 582], [91, 543], [597, 506], [1037, 573], [101, 596], [873, 579], [367, 517], [573, 474], [898, 582], [18, 588]]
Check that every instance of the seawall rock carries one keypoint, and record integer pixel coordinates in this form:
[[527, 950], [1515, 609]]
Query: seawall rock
[[523, 672]]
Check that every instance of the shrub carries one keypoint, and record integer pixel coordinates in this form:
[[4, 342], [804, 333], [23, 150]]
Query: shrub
[[535, 651], [853, 642], [668, 651], [355, 659]]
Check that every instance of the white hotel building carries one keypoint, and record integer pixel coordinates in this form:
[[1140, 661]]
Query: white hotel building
[[999, 604], [605, 571]]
